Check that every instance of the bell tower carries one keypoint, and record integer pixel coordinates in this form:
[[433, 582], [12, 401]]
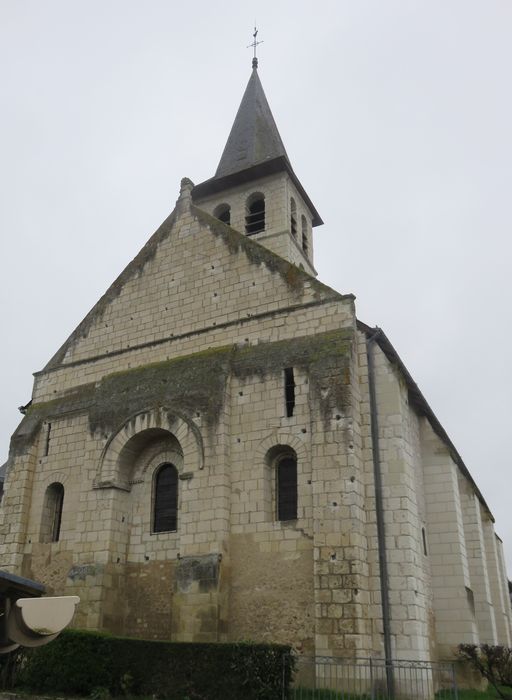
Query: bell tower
[[255, 189]]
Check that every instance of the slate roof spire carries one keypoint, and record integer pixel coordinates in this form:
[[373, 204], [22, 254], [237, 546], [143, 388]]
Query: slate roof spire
[[254, 137], [254, 149]]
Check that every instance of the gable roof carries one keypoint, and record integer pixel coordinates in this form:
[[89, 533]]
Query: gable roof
[[421, 405], [256, 254]]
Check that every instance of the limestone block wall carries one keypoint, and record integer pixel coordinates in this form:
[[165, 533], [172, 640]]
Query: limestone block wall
[[183, 361], [311, 574], [112, 410], [271, 561], [497, 582], [480, 590], [453, 595], [410, 594], [507, 609], [196, 286]]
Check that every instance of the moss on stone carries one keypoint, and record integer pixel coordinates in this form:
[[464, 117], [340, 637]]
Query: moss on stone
[[257, 254], [196, 384], [325, 357], [270, 358]]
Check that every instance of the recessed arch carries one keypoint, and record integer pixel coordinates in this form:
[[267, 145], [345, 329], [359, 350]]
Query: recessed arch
[[115, 469], [280, 438]]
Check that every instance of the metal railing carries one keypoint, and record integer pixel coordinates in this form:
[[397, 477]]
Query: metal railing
[[326, 678]]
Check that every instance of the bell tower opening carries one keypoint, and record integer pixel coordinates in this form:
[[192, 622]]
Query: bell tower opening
[[255, 216]]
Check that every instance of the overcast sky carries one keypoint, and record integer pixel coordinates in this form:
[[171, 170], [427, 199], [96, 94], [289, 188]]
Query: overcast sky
[[396, 116]]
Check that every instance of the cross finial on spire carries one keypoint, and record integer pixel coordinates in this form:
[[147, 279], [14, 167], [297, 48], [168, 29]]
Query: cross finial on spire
[[254, 44]]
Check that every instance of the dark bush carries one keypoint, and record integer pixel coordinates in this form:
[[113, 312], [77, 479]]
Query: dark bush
[[9, 668], [82, 663], [493, 662]]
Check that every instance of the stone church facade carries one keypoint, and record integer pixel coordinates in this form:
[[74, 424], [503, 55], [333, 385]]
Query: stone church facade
[[221, 450]]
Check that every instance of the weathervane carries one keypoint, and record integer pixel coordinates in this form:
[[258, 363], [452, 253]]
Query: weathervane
[[254, 44]]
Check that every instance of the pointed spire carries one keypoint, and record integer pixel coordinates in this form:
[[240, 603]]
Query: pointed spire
[[254, 137]]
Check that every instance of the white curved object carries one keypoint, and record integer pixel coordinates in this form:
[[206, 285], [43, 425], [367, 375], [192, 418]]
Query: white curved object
[[36, 621]]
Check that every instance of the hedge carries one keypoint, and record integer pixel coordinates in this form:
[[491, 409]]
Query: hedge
[[85, 663]]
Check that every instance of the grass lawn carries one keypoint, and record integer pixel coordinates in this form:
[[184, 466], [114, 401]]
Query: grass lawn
[[489, 694]]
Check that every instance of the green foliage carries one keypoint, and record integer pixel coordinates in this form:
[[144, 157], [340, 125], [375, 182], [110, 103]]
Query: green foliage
[[100, 665], [494, 663]]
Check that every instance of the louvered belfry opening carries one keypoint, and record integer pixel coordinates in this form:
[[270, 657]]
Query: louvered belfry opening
[[223, 213], [293, 217], [165, 513], [286, 488], [255, 218], [305, 245]]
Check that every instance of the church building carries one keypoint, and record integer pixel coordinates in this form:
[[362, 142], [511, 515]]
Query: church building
[[223, 451]]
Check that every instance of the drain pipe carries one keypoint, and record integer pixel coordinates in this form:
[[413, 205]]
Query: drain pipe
[[379, 510]]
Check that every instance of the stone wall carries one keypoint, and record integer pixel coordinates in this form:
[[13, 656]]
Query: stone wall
[[182, 362]]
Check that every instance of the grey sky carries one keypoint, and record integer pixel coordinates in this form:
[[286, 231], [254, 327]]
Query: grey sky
[[395, 114]]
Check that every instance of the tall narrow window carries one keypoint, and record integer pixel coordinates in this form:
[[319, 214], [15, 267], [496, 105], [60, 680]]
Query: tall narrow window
[[255, 217], [305, 245], [52, 513], [165, 508], [48, 437], [293, 217], [286, 488], [289, 391], [223, 213], [424, 539]]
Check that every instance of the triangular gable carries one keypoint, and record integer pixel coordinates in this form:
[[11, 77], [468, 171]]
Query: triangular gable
[[194, 271]]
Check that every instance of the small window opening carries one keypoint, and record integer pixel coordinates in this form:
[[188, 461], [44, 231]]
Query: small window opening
[[165, 511], [255, 218], [47, 443], [52, 513], [471, 599], [293, 217], [286, 488], [424, 539], [305, 244], [223, 213], [289, 391]]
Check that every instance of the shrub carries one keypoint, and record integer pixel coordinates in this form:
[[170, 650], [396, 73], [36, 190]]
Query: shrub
[[82, 662], [494, 663]]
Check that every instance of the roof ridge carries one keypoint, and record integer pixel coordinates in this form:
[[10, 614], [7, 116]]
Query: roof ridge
[[145, 254], [258, 254]]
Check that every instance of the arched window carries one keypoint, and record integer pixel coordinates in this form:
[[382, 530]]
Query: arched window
[[255, 214], [286, 487], [52, 513], [293, 217], [165, 500], [305, 246], [223, 213]]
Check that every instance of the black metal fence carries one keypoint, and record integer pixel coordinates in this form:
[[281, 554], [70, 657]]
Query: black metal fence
[[326, 678]]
